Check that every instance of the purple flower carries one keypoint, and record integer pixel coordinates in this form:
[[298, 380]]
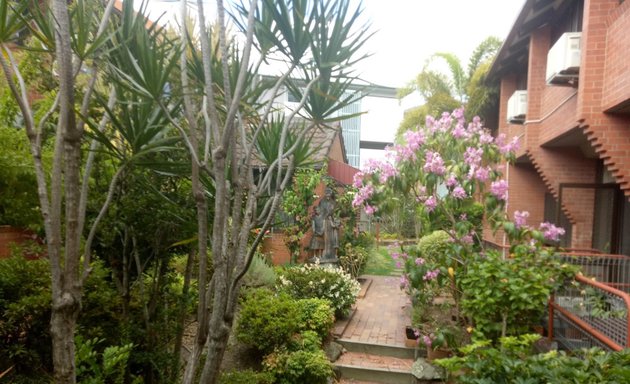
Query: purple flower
[[482, 174], [430, 275], [520, 218], [414, 139], [434, 163], [419, 261], [485, 138], [451, 181], [499, 189], [427, 341], [387, 171], [430, 123], [459, 193], [398, 264], [472, 156], [369, 210], [357, 180], [362, 195], [551, 232], [430, 203]]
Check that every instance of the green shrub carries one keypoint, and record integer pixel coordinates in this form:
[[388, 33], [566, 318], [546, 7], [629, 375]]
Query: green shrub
[[315, 315], [108, 366], [25, 303], [313, 281], [435, 248], [246, 377], [513, 361], [260, 273], [301, 362], [354, 259], [267, 319]]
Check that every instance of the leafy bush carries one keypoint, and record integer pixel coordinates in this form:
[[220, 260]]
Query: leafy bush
[[315, 315], [25, 303], [300, 361], [267, 320], [506, 297], [93, 367], [260, 273], [313, 281], [354, 259], [246, 377], [435, 247], [512, 361]]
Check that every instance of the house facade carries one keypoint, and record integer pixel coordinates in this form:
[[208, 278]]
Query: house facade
[[564, 75]]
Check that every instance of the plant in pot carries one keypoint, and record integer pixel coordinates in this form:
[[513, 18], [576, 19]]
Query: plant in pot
[[443, 340]]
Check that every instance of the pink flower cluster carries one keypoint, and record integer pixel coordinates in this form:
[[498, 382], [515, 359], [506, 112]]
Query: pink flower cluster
[[431, 275], [511, 146], [433, 163], [499, 189], [551, 232], [520, 218]]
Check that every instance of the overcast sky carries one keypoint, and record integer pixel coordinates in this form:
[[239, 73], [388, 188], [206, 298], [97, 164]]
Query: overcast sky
[[409, 31]]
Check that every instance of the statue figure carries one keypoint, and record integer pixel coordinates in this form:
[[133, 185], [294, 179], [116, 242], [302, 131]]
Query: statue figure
[[325, 239]]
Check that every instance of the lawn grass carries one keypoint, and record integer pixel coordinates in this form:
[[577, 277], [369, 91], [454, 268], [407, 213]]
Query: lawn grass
[[380, 262]]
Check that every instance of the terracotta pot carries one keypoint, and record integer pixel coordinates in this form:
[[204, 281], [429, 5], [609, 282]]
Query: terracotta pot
[[438, 353]]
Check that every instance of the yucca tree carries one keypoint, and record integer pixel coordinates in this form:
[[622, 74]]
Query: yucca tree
[[458, 87], [79, 39]]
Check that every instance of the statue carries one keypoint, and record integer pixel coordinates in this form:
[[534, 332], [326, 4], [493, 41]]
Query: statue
[[325, 239]]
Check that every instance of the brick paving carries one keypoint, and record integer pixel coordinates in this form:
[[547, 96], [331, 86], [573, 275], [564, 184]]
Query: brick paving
[[381, 316]]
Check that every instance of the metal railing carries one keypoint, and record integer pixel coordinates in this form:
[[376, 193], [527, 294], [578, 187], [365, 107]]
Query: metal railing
[[593, 309]]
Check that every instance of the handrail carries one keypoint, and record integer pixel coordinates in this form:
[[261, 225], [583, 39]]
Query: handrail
[[584, 325]]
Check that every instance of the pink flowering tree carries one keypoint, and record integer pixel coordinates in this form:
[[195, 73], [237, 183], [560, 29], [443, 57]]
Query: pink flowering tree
[[445, 167]]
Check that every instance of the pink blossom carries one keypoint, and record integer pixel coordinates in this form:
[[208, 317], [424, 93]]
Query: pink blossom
[[362, 195], [434, 163], [451, 181], [427, 341], [485, 138], [387, 171], [431, 275], [430, 203], [414, 139], [459, 193], [419, 261], [429, 123], [520, 218], [472, 156], [499, 189], [459, 131], [551, 232], [357, 180], [370, 210], [398, 264], [482, 174]]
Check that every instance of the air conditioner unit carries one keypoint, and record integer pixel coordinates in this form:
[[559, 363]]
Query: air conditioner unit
[[517, 107], [563, 60]]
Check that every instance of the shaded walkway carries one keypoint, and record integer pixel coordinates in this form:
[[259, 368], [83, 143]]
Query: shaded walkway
[[381, 315]]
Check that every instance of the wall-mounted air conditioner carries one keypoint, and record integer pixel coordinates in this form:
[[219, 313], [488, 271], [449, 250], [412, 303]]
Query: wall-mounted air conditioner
[[563, 60], [517, 107]]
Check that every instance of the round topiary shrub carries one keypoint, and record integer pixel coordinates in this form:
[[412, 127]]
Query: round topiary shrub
[[313, 281], [267, 320], [435, 248], [316, 315]]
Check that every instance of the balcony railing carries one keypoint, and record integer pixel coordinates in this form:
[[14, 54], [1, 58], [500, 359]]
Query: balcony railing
[[592, 310]]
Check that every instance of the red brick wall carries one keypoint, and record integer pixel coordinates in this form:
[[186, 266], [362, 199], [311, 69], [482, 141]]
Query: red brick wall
[[617, 66], [609, 134]]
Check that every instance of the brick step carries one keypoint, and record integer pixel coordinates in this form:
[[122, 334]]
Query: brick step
[[381, 349], [375, 368]]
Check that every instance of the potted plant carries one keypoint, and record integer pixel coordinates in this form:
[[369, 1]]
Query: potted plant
[[442, 341]]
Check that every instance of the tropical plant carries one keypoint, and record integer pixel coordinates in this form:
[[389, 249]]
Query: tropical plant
[[445, 92]]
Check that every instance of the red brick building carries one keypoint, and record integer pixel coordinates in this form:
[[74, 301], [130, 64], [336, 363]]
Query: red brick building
[[564, 74]]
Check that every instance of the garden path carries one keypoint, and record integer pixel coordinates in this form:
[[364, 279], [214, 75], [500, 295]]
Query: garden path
[[381, 315]]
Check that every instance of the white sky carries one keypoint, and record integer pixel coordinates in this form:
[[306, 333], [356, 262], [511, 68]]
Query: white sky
[[408, 32]]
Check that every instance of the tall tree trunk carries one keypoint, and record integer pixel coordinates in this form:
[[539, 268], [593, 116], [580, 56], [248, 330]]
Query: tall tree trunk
[[66, 289]]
